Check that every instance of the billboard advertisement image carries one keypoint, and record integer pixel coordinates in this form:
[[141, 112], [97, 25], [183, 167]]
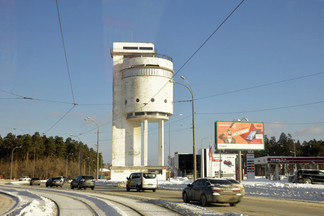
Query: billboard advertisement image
[[239, 135]]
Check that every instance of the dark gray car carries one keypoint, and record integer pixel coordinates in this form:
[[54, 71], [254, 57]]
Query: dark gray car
[[55, 181], [83, 181], [211, 190], [307, 176], [35, 181]]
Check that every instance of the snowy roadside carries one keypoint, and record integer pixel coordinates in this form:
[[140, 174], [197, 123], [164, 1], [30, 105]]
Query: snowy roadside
[[29, 203], [260, 186]]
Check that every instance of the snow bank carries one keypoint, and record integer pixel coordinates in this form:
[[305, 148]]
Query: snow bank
[[260, 186]]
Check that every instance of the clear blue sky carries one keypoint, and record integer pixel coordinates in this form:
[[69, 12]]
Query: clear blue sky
[[261, 54]]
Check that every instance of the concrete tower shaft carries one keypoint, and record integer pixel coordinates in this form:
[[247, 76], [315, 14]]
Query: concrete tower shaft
[[142, 93]]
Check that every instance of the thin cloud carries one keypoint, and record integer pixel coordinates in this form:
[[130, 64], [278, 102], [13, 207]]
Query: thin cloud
[[316, 130], [273, 128]]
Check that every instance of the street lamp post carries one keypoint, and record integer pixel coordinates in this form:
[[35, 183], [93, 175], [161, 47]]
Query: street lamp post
[[170, 149], [193, 125], [12, 160], [66, 164], [97, 169], [295, 165], [88, 158], [240, 152], [80, 161]]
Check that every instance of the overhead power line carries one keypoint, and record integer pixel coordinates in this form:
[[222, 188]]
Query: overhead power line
[[65, 55], [258, 86], [197, 50], [61, 118], [211, 35], [21, 97], [296, 123], [266, 109]]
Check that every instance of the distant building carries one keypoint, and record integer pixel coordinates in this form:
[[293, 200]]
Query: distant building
[[274, 166], [182, 165], [207, 166]]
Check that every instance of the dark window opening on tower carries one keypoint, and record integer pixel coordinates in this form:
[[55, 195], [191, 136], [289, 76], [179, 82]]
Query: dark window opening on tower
[[146, 48], [130, 48]]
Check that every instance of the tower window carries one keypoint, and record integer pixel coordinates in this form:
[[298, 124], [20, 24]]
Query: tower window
[[165, 100], [137, 100], [130, 48], [146, 48], [152, 100]]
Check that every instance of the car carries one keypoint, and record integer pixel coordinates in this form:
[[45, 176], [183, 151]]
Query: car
[[307, 176], [142, 181], [35, 181], [212, 190], [24, 178], [238, 184], [83, 181], [55, 181]]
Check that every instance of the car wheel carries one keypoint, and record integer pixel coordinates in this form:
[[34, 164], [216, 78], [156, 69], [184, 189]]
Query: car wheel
[[233, 204], [307, 181], [185, 198], [154, 190], [203, 200], [92, 188], [79, 187], [72, 187], [46, 185], [138, 188], [127, 188]]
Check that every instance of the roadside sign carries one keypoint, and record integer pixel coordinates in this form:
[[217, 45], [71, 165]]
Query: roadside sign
[[239, 135]]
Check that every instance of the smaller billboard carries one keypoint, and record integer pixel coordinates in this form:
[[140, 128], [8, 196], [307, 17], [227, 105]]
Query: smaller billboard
[[239, 135]]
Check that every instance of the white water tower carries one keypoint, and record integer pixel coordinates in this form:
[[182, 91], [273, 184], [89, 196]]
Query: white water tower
[[142, 93]]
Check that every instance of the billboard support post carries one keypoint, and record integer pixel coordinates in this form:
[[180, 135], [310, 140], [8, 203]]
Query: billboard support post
[[240, 166], [220, 163]]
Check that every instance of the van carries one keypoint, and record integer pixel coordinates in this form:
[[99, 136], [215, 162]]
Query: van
[[142, 181]]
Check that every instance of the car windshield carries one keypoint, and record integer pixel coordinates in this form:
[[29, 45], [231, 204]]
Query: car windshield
[[57, 178], [233, 181], [35, 179], [219, 181], [87, 177], [149, 175]]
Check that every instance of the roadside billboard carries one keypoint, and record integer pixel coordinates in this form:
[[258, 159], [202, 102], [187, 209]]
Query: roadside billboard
[[239, 135]]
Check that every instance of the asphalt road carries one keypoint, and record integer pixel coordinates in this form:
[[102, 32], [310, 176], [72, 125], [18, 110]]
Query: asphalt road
[[249, 205]]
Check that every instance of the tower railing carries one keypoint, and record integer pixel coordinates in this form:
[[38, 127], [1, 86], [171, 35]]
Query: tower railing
[[137, 54]]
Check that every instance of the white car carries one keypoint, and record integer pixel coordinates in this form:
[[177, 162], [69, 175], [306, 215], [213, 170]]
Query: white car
[[25, 178], [142, 181]]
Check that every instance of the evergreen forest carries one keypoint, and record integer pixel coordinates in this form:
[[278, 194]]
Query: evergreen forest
[[44, 157]]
